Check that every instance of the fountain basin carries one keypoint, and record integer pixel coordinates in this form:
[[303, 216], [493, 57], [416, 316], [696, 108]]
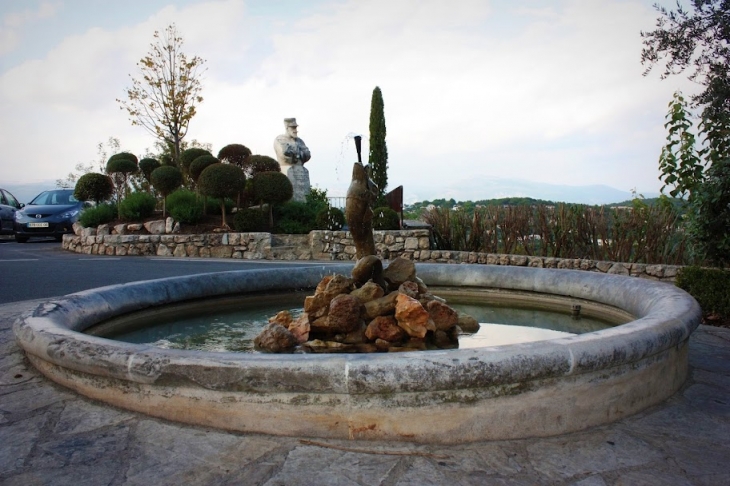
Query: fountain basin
[[446, 396]]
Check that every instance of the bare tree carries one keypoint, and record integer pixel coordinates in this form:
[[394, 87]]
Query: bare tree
[[164, 100]]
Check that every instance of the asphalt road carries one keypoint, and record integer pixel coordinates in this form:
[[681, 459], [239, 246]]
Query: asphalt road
[[40, 268]]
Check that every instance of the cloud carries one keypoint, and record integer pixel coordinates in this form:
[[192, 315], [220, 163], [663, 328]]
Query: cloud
[[13, 23], [470, 88]]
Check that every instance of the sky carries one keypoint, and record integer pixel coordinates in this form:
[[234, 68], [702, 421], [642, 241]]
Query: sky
[[475, 91]]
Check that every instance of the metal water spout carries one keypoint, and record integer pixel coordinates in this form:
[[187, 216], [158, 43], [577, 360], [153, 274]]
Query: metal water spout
[[358, 147]]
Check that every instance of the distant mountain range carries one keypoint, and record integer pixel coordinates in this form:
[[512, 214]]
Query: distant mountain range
[[481, 188], [474, 189], [25, 191]]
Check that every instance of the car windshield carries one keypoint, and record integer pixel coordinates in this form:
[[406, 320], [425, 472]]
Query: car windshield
[[54, 198]]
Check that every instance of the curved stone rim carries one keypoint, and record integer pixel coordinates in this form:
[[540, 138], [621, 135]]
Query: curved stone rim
[[665, 315], [448, 396]]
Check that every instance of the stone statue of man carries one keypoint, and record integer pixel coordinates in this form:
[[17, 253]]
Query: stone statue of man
[[290, 149], [292, 153]]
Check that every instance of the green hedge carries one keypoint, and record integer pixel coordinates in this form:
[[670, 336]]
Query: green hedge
[[185, 206], [709, 286], [101, 214], [137, 206]]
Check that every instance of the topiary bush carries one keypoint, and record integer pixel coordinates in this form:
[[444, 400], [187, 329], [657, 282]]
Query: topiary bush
[[101, 214], [189, 155], [332, 219], [249, 221], [222, 181], [235, 154], [256, 164], [185, 206], [137, 206], [147, 165], [710, 287], [385, 218], [94, 187], [165, 180], [198, 165]]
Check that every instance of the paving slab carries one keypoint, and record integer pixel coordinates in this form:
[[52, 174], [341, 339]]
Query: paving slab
[[52, 436]]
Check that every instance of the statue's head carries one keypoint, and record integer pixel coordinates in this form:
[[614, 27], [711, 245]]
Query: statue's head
[[291, 126]]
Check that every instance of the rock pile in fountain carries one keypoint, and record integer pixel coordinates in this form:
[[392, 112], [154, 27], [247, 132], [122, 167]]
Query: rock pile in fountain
[[374, 310]]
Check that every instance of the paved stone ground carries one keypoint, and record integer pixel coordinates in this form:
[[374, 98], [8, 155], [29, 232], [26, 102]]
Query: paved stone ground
[[51, 436]]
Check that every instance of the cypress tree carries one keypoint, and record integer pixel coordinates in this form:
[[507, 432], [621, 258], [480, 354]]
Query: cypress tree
[[378, 157]]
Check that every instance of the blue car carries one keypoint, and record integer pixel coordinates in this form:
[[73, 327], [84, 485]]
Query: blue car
[[50, 213], [8, 206]]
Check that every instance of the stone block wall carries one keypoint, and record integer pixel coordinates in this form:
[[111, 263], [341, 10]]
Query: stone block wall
[[330, 245]]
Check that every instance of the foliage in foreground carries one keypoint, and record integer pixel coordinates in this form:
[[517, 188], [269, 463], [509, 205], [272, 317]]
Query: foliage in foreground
[[710, 287], [101, 214], [643, 234], [185, 206], [137, 206]]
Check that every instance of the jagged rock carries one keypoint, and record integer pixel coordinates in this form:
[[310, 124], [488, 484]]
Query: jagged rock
[[169, 224], [319, 325], [120, 229], [103, 230], [467, 323], [176, 228], [442, 315], [155, 227], [369, 291], [385, 328], [383, 345], [409, 288], [283, 318], [368, 268], [300, 328], [275, 339], [442, 340], [344, 314], [400, 270], [380, 307], [320, 346], [77, 228], [356, 336], [411, 316], [422, 289], [134, 227], [317, 305]]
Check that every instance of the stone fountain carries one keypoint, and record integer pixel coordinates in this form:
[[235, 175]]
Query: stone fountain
[[442, 396], [375, 309]]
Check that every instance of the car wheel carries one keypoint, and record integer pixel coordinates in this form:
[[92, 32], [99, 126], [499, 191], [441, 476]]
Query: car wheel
[[21, 239]]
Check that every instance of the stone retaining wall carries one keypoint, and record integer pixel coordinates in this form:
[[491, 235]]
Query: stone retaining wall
[[330, 245]]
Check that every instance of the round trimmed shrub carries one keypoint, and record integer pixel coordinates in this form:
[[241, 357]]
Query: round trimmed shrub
[[137, 206], [94, 187], [385, 218], [261, 163], [332, 219], [184, 206], [200, 164], [101, 214], [235, 154], [189, 155], [249, 221], [221, 181], [147, 165], [272, 187], [123, 162], [166, 179]]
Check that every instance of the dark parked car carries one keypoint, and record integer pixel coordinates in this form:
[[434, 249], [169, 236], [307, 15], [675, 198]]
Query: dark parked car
[[8, 206], [50, 213]]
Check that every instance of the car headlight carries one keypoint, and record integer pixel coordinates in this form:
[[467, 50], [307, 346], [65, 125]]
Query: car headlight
[[18, 216], [70, 214]]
